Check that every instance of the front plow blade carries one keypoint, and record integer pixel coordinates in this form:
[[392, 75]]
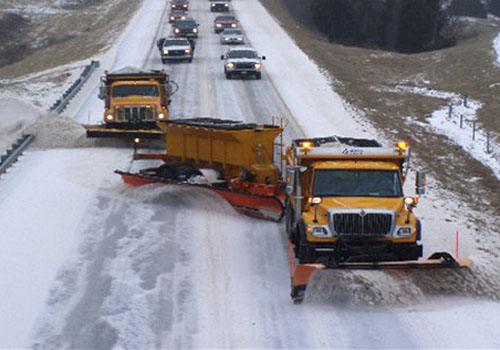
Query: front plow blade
[[302, 273], [98, 131]]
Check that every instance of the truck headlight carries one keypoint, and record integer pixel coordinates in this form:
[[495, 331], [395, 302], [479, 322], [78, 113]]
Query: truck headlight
[[230, 65], [172, 18], [318, 231], [109, 117], [405, 231], [195, 30], [161, 116], [226, 38], [187, 51], [257, 65], [165, 52], [226, 5], [234, 25], [177, 30], [240, 39], [218, 25], [213, 5]]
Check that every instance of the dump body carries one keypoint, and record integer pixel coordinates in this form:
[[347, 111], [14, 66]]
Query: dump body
[[239, 150], [346, 202]]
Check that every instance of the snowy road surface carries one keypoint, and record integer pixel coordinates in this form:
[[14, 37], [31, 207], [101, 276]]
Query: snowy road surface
[[89, 263]]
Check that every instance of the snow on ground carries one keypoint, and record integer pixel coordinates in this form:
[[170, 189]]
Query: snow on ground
[[496, 49], [34, 241], [450, 125]]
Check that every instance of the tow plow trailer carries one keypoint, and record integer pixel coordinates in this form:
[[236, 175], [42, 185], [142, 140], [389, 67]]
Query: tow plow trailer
[[231, 158], [300, 274]]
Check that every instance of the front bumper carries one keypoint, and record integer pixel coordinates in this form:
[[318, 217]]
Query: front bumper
[[176, 58], [243, 71], [362, 249]]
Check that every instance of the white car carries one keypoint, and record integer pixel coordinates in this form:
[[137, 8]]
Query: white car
[[232, 36], [242, 61], [175, 49]]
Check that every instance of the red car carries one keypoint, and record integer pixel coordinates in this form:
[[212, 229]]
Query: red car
[[179, 5], [222, 22], [176, 15]]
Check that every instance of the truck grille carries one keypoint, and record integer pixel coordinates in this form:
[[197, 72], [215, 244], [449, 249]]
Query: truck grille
[[176, 52], [245, 65], [369, 224], [136, 114]]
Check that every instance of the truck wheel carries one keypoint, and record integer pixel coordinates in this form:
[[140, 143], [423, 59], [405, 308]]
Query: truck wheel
[[228, 76], [163, 61], [166, 172], [289, 219], [258, 76], [190, 60], [304, 253]]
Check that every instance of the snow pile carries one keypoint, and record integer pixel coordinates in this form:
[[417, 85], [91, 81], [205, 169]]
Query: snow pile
[[363, 288], [496, 48], [400, 288], [56, 131]]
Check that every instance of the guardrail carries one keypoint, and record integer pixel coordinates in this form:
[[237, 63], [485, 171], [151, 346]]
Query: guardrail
[[63, 102], [15, 152]]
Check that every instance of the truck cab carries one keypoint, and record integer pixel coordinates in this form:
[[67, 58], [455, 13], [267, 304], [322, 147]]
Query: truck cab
[[135, 98], [345, 202]]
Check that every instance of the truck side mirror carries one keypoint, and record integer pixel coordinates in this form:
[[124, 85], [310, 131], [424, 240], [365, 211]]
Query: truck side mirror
[[420, 183], [263, 58], [221, 57]]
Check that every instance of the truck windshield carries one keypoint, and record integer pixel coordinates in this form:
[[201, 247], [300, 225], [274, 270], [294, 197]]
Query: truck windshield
[[356, 183], [242, 54], [135, 90]]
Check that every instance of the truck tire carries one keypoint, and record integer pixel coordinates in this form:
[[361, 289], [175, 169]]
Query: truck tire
[[419, 230], [303, 252], [258, 76], [190, 60], [289, 219], [163, 61], [228, 76]]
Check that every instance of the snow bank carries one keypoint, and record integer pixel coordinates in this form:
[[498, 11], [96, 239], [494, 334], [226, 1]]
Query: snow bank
[[14, 117]]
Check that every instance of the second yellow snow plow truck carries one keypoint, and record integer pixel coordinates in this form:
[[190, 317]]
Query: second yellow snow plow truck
[[345, 208], [134, 100]]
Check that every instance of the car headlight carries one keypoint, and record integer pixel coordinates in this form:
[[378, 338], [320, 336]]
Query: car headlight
[[109, 117], [172, 18], [234, 25], [195, 30], [165, 52], [183, 17], [213, 5], [161, 116], [240, 39], [226, 5], [226, 38], [177, 30], [230, 65], [218, 25], [257, 65], [187, 51], [405, 231]]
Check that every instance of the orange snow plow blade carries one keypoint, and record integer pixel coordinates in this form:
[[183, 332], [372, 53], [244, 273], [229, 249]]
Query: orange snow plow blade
[[256, 205], [302, 273]]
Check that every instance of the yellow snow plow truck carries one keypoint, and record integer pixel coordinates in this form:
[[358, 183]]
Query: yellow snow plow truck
[[134, 100], [345, 208]]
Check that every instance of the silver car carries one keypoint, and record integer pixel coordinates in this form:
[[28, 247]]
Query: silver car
[[232, 36]]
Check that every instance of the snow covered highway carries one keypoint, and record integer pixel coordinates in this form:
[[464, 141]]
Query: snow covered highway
[[89, 263]]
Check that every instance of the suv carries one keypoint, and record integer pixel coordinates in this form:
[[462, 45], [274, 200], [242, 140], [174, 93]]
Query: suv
[[219, 6], [232, 36], [187, 28], [225, 21], [242, 61], [175, 49]]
